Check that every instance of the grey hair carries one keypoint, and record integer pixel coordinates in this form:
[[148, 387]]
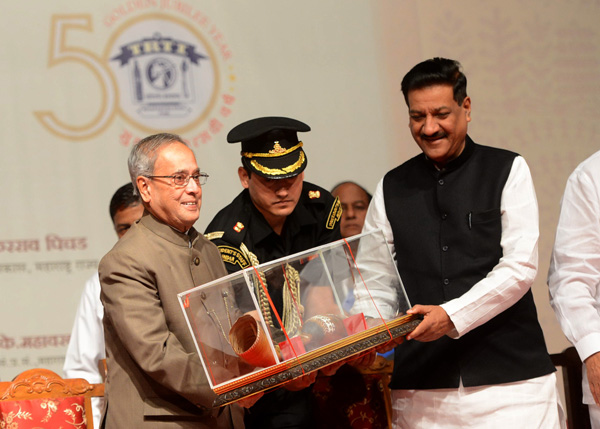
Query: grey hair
[[143, 155]]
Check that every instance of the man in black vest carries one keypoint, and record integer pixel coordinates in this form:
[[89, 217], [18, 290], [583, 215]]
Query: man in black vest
[[462, 220]]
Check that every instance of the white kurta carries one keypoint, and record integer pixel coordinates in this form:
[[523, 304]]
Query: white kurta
[[86, 346], [574, 275], [508, 281]]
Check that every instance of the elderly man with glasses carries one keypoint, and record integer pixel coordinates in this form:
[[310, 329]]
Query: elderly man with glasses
[[155, 377]]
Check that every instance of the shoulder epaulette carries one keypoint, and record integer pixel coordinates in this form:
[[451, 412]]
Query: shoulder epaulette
[[214, 235]]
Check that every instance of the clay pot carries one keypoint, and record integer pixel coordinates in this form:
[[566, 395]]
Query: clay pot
[[249, 341], [322, 329]]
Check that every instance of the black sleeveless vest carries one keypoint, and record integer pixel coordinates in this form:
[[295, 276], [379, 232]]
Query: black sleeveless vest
[[447, 230]]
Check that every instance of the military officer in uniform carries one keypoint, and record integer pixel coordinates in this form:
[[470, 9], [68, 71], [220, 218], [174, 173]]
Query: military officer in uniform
[[276, 215]]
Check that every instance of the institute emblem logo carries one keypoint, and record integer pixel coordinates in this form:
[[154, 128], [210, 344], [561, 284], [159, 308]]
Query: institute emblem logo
[[166, 73], [165, 68]]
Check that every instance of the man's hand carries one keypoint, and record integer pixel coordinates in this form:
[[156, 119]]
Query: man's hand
[[435, 324], [592, 364], [330, 370], [301, 382], [248, 401], [364, 360], [390, 345]]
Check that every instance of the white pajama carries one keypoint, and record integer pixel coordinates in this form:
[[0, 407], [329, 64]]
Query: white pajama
[[529, 404]]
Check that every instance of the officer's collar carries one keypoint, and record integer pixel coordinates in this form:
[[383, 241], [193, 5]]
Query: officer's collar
[[299, 217], [260, 228]]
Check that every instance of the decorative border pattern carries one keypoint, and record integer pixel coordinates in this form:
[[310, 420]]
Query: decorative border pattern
[[314, 364]]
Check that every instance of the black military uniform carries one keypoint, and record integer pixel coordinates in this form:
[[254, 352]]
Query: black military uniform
[[313, 222], [270, 148]]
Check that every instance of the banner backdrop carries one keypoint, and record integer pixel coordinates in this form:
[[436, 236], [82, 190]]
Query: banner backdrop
[[83, 81]]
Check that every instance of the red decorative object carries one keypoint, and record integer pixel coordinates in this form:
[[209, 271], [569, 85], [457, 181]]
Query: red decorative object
[[250, 342], [47, 413], [292, 348], [355, 324]]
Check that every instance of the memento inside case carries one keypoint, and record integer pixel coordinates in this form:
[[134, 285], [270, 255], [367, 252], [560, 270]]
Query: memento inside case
[[270, 323]]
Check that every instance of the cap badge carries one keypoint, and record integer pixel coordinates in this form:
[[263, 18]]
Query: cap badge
[[238, 227], [314, 194], [277, 148]]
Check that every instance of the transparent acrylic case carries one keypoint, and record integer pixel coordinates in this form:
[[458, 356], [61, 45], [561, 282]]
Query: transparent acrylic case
[[268, 324]]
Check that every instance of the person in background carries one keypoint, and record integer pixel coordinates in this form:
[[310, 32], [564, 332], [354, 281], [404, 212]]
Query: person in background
[[349, 398], [276, 215], [86, 346], [155, 376], [462, 222], [355, 201], [574, 275]]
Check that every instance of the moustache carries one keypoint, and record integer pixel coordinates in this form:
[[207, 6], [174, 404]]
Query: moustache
[[435, 136]]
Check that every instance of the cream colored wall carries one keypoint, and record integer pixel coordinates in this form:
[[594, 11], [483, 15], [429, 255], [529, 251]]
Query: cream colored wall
[[532, 71]]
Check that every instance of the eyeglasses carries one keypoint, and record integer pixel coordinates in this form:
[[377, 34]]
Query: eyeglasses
[[181, 180]]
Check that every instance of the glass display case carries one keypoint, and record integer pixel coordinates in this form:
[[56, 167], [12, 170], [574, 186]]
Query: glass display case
[[268, 324]]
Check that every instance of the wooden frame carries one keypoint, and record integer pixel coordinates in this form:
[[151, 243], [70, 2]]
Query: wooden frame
[[282, 373], [578, 415]]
